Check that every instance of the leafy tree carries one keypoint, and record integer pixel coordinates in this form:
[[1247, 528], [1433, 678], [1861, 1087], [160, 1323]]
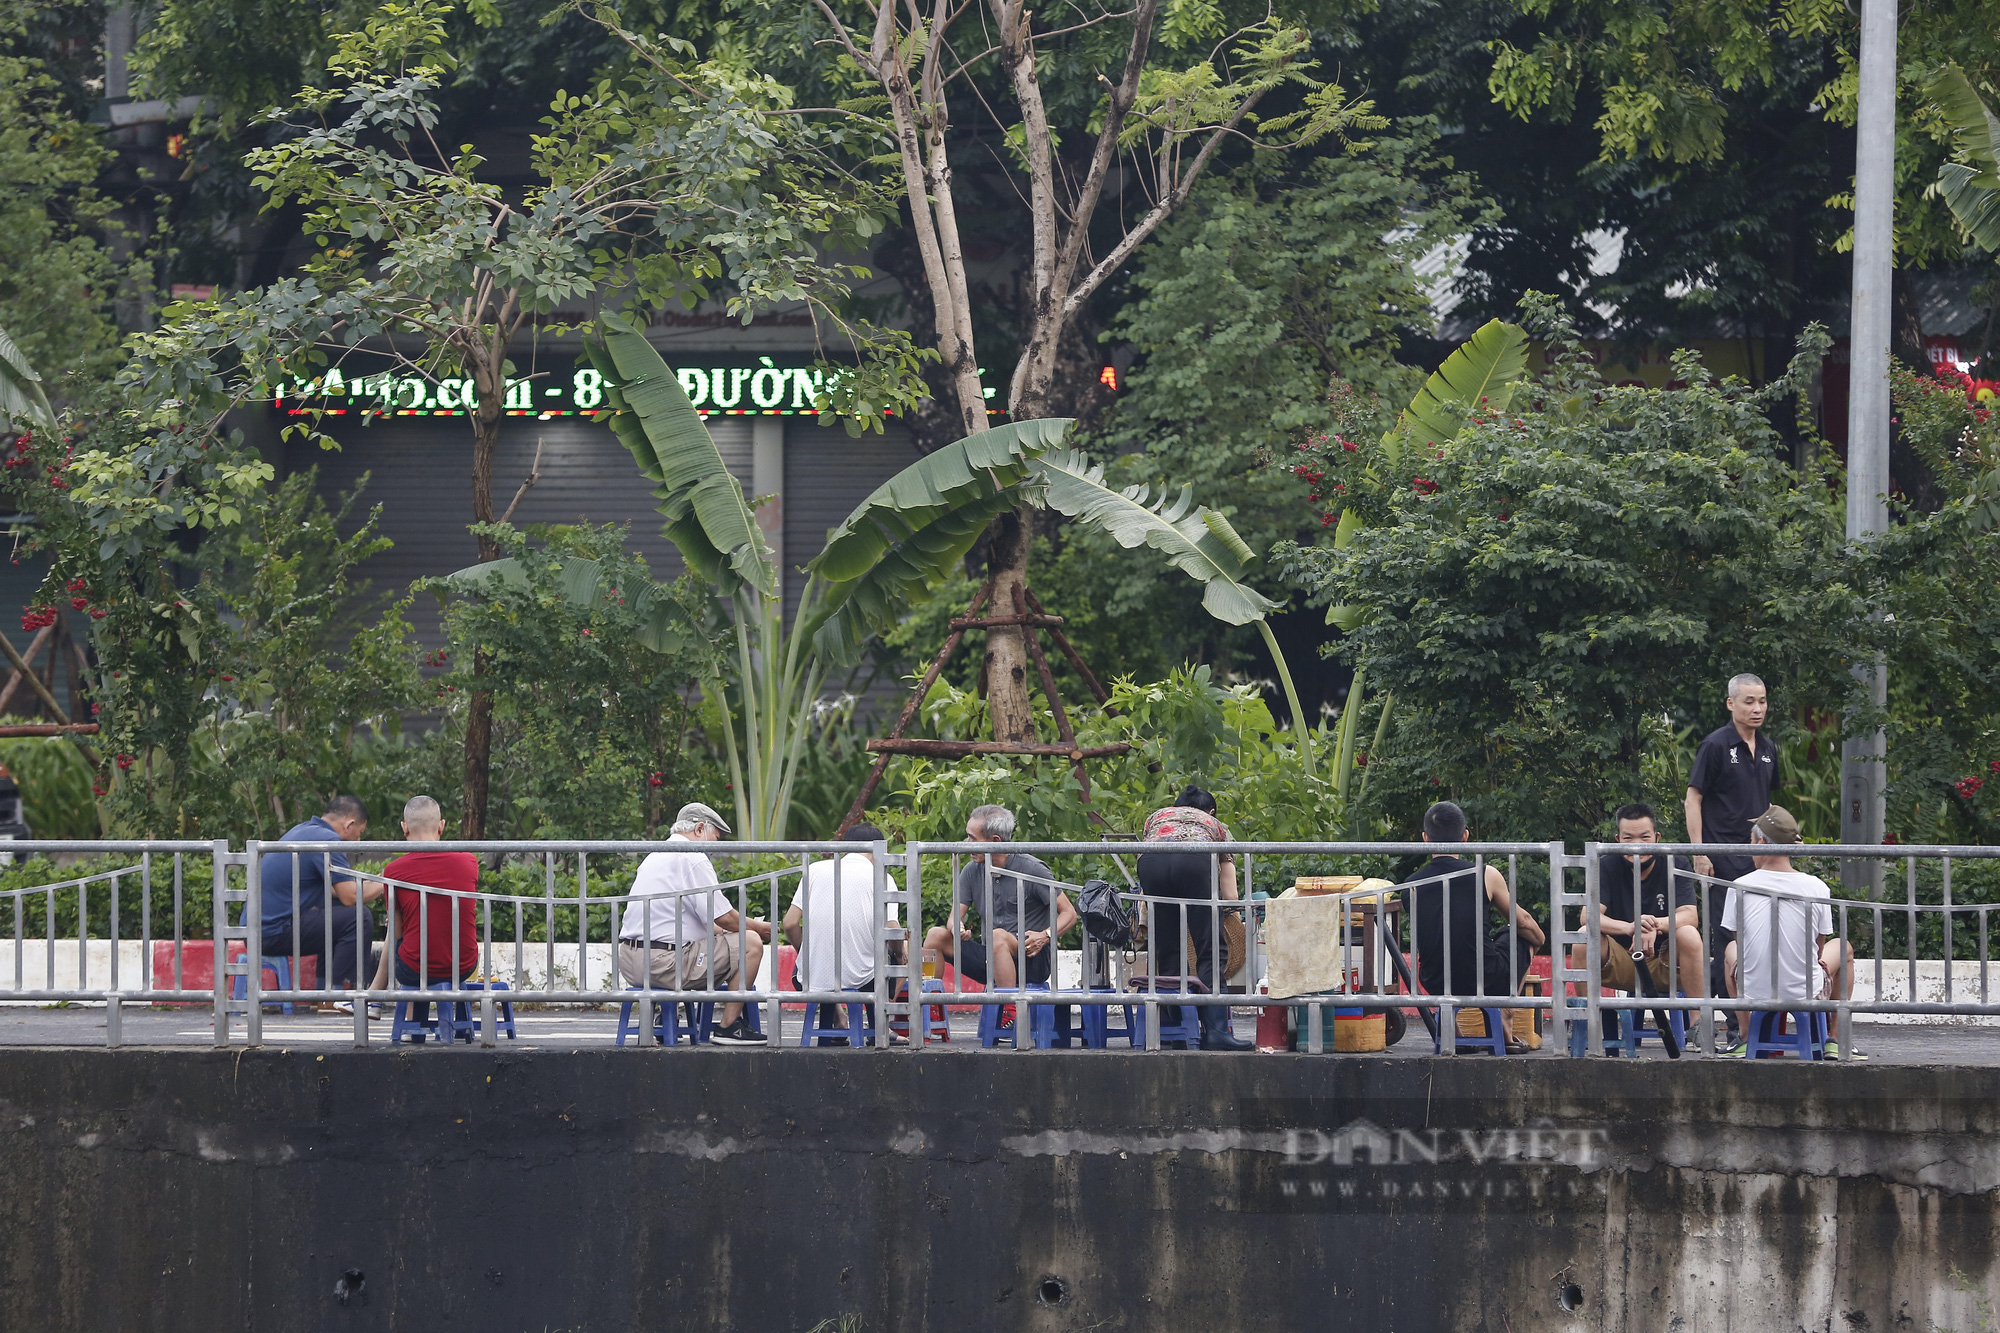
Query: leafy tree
[[1667, 80], [1544, 584], [1944, 572], [1176, 86], [683, 174], [592, 690], [1267, 286], [57, 279]]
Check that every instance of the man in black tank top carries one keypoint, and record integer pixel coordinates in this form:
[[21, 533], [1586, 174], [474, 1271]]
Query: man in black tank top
[[1446, 905]]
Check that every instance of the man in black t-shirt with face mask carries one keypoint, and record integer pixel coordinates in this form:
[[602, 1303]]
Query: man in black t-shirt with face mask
[[1621, 911]]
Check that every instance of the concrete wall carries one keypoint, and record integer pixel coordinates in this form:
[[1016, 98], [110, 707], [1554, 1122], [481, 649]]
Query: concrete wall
[[719, 1190]]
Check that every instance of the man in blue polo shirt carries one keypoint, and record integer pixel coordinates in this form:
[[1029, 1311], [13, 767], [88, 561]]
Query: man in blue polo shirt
[[1735, 772], [345, 911]]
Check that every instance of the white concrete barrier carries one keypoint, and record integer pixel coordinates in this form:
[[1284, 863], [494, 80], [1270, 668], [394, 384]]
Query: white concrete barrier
[[35, 972], [1930, 990]]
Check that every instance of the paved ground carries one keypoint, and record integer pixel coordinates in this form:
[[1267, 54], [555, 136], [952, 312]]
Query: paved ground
[[573, 1029]]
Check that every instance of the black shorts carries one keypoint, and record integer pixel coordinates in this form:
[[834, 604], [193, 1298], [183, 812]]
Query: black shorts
[[972, 962]]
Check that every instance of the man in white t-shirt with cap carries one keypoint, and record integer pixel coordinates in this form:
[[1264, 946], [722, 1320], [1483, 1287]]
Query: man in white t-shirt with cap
[[1783, 919], [689, 936]]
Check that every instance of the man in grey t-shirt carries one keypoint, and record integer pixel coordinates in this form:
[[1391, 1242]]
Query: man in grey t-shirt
[[1010, 892]]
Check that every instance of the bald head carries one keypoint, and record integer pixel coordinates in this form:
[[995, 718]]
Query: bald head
[[422, 820]]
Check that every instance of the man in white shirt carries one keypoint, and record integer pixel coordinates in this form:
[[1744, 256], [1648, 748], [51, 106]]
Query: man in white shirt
[[683, 932], [1783, 919], [832, 923]]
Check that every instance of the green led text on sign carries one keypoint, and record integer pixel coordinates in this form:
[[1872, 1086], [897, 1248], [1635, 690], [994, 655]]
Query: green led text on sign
[[567, 390]]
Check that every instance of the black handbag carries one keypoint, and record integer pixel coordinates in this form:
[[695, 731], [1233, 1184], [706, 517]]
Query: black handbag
[[1104, 917]]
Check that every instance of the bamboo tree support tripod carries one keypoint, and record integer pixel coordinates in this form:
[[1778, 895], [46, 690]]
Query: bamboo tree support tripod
[[1032, 619]]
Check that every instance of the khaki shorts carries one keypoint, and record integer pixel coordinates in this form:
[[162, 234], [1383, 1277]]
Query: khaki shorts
[[1615, 968], [685, 968]]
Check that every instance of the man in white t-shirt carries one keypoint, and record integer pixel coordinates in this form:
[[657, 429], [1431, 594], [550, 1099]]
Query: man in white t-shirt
[[684, 932], [832, 923], [1783, 919]]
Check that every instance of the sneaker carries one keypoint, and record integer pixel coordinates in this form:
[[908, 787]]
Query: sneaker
[[738, 1034], [1006, 1017], [1733, 1044], [1834, 1051]]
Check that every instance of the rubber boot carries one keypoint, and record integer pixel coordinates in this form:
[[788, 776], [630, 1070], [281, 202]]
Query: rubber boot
[[1215, 1033]]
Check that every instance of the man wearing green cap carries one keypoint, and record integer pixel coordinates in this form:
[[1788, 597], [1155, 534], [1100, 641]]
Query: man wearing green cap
[[1783, 918]]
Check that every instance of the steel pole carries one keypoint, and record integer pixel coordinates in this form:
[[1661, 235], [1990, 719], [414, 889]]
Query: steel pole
[[1862, 755]]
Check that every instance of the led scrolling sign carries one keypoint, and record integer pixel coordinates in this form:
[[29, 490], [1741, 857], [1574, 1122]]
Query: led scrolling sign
[[557, 388]]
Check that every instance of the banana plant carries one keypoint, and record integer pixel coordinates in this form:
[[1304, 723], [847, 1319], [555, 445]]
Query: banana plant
[[1195, 539], [1483, 370], [1969, 185], [896, 548], [22, 400]]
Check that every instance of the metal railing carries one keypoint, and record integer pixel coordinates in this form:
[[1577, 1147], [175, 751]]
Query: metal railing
[[1142, 991], [567, 909], [119, 909], [1785, 920], [546, 919]]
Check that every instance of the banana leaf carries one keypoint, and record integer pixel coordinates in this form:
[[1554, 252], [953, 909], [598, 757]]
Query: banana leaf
[[707, 517]]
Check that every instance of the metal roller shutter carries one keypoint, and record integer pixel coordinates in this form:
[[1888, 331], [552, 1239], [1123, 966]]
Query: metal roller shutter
[[420, 474]]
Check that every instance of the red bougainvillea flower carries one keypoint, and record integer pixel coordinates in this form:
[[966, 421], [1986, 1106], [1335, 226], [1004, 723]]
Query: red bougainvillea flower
[[656, 779], [1969, 787], [38, 617], [124, 761], [1423, 486], [1993, 767], [98, 791]]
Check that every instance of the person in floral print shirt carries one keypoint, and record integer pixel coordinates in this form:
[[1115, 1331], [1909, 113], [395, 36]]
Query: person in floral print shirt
[[1203, 879]]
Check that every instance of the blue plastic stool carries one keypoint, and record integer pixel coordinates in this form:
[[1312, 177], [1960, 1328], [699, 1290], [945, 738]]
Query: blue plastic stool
[[1495, 1039], [937, 1024], [1084, 1025], [666, 1019], [860, 1029], [1040, 1019], [280, 967], [1641, 1029], [1616, 1040], [1769, 1035], [414, 1018], [456, 1019], [1186, 1029]]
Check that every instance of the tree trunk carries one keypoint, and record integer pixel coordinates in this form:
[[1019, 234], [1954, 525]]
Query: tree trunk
[[488, 372], [1007, 703], [478, 757], [486, 415]]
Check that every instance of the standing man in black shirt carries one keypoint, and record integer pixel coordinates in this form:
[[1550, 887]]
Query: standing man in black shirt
[[1620, 910], [1446, 908], [1735, 771]]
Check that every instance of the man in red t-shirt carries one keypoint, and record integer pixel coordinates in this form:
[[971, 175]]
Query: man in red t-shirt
[[437, 937]]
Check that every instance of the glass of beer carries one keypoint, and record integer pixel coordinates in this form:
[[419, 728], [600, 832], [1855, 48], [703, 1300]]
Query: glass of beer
[[930, 964]]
